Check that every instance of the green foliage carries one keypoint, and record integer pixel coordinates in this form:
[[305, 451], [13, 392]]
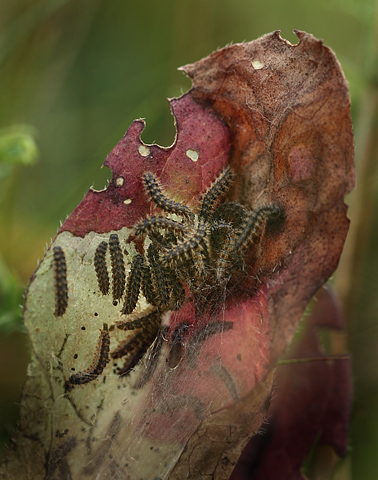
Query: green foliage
[[17, 147], [11, 298]]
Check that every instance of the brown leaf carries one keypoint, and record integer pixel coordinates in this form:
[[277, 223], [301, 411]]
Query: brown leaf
[[210, 371], [287, 107]]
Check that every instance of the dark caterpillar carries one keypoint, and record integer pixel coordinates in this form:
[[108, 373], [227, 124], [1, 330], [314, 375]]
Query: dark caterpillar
[[179, 253], [159, 281], [218, 188], [147, 328], [152, 224], [155, 191], [101, 268], [100, 359], [149, 320], [118, 266], [133, 285], [60, 275]]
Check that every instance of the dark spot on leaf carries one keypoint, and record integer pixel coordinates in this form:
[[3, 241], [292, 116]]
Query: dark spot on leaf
[[57, 461]]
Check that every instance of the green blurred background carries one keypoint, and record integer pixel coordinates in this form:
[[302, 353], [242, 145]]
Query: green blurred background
[[74, 74]]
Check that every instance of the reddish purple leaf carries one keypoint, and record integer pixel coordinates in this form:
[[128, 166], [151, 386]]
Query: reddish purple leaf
[[311, 403], [124, 201]]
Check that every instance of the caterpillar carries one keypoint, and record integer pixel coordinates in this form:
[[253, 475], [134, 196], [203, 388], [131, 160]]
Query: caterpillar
[[118, 266], [157, 276], [135, 348], [229, 214], [133, 285], [155, 191], [147, 287], [252, 225], [151, 224], [224, 260], [100, 359], [220, 185], [144, 321], [180, 252], [61, 287], [101, 268], [177, 291]]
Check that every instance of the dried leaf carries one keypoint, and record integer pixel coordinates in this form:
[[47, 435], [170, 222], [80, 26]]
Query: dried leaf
[[305, 410], [287, 107], [204, 386]]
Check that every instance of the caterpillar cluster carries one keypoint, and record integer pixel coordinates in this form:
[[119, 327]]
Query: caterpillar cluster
[[201, 250], [187, 252], [193, 252]]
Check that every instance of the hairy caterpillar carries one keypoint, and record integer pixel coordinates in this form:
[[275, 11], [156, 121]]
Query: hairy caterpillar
[[61, 287], [118, 266], [101, 268], [100, 359]]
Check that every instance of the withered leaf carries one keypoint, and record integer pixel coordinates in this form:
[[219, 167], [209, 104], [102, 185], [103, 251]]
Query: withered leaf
[[311, 406], [312, 402], [279, 115]]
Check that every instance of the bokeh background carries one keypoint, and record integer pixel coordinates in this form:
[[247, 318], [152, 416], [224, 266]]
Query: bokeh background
[[75, 74]]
